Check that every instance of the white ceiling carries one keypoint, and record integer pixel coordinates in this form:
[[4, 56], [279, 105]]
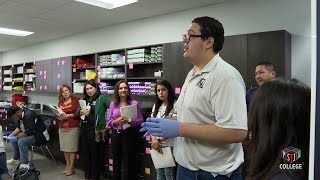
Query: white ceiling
[[52, 19]]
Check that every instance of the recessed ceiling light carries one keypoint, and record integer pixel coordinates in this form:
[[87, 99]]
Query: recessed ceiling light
[[108, 4], [14, 32]]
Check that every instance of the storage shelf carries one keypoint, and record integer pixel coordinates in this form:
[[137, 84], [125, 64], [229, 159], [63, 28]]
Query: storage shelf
[[142, 78], [142, 63], [84, 68], [81, 80], [30, 73], [111, 79], [17, 73], [112, 65]]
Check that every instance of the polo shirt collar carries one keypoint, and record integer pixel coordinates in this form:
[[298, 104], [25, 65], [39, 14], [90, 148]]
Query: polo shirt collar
[[212, 63]]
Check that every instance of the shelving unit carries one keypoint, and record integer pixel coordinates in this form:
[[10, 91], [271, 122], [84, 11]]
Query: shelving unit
[[82, 67], [19, 77], [1, 78], [29, 76], [7, 78]]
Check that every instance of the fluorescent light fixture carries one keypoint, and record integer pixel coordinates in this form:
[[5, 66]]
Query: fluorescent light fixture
[[108, 4], [14, 32]]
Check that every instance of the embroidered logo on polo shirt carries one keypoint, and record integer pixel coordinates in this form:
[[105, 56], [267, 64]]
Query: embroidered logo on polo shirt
[[201, 83]]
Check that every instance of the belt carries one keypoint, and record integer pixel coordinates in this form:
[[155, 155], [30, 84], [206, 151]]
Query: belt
[[120, 131]]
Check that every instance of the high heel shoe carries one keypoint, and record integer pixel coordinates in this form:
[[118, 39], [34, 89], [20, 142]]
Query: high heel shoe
[[69, 173]]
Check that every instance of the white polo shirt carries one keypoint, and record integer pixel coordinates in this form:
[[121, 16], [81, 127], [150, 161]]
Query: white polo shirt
[[214, 96]]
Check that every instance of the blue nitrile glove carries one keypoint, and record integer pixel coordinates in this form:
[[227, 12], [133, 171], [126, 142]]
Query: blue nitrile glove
[[12, 139], [161, 127], [11, 135]]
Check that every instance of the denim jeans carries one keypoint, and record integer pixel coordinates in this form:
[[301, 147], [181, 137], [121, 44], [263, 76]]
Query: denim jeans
[[3, 164], [166, 173], [186, 174], [20, 148]]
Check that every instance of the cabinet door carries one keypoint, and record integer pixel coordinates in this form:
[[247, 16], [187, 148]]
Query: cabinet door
[[0, 78], [39, 76], [274, 47], [65, 72], [175, 67], [60, 73], [234, 52], [47, 76]]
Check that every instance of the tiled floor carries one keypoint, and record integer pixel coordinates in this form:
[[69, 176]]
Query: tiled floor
[[49, 169]]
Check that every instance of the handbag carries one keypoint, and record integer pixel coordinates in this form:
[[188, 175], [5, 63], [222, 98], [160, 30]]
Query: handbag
[[26, 174]]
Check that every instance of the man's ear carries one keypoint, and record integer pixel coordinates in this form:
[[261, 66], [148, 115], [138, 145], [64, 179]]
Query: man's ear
[[209, 42]]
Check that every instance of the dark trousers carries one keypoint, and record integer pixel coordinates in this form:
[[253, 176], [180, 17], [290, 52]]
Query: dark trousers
[[92, 154], [124, 149]]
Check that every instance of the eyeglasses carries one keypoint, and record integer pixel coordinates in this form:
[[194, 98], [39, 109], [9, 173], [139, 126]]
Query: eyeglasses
[[186, 37]]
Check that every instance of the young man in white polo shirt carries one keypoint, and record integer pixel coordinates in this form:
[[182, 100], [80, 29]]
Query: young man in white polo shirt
[[212, 117]]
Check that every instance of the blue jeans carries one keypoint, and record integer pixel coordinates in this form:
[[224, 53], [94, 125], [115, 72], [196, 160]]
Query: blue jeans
[[20, 148], [3, 164], [166, 173], [186, 174]]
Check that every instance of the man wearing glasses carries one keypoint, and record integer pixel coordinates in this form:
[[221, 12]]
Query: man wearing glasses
[[212, 117], [29, 130]]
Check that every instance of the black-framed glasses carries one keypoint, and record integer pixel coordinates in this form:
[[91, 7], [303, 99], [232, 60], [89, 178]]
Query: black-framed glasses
[[186, 37]]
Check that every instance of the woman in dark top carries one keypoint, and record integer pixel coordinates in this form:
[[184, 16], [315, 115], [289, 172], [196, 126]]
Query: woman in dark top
[[279, 121], [93, 124]]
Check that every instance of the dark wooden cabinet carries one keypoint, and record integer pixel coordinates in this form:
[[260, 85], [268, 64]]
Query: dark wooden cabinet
[[52, 73], [61, 73], [39, 76], [245, 51], [175, 66], [274, 47], [0, 77], [234, 52]]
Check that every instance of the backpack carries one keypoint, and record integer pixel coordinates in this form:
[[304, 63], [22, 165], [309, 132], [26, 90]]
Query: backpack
[[26, 174]]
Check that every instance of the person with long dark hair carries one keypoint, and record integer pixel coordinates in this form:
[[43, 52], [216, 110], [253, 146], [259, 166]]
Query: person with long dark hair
[[124, 137], [93, 128], [164, 108], [279, 121]]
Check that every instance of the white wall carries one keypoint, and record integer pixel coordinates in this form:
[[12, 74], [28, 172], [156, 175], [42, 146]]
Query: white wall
[[237, 16]]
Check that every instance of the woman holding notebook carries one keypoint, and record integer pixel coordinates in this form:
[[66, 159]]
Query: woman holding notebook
[[164, 108], [93, 129], [69, 130], [125, 132]]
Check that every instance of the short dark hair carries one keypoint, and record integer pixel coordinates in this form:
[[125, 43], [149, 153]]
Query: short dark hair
[[279, 118], [269, 66], [210, 27], [12, 110]]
